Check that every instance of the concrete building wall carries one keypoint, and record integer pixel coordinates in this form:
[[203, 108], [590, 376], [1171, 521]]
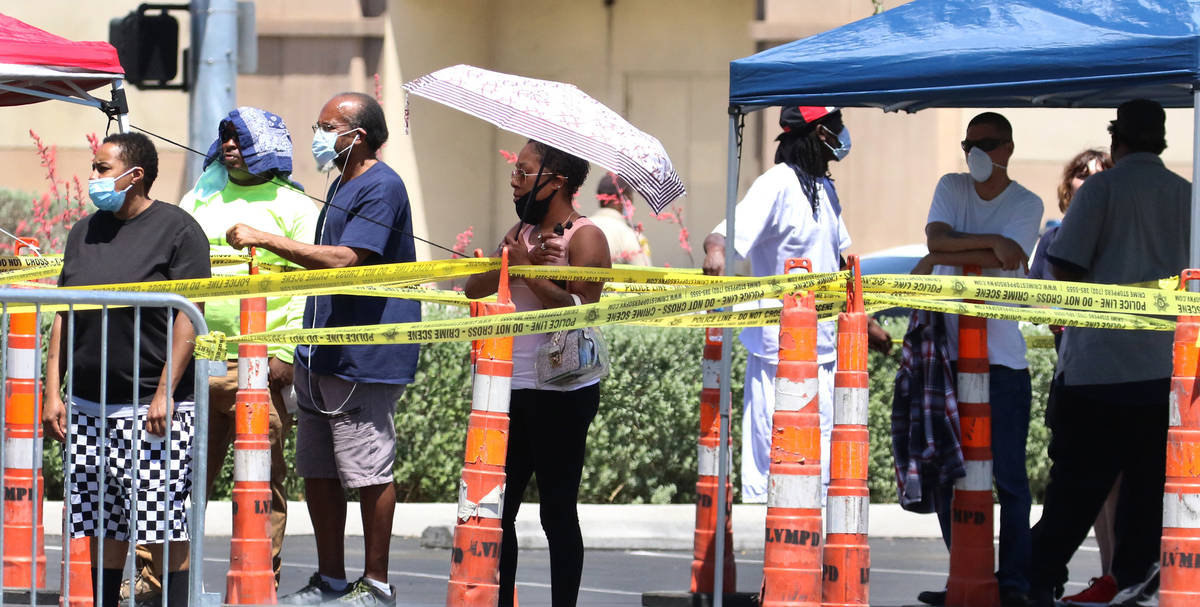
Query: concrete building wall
[[663, 64]]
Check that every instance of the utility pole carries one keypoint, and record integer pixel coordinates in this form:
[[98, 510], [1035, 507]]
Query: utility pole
[[215, 64]]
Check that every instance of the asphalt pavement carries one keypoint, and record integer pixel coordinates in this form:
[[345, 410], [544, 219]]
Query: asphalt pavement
[[900, 569]]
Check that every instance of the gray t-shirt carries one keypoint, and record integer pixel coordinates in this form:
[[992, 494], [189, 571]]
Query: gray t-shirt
[[1125, 225]]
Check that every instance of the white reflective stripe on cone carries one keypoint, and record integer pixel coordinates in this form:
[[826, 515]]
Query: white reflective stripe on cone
[[710, 372], [973, 388], [20, 453], [846, 514], [794, 491], [490, 505], [1176, 419], [491, 393], [1181, 510], [707, 458], [978, 478], [850, 406], [22, 363], [252, 372], [252, 465], [795, 396]]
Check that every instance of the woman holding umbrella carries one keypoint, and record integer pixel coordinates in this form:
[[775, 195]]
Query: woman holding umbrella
[[548, 423]]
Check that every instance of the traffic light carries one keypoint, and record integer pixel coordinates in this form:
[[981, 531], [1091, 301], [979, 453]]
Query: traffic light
[[148, 47]]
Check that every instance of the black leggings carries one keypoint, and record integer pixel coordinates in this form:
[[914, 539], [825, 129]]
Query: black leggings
[[548, 436]]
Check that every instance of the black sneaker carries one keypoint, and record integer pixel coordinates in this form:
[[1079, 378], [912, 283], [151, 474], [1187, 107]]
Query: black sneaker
[[1014, 598], [364, 593], [932, 597], [317, 592]]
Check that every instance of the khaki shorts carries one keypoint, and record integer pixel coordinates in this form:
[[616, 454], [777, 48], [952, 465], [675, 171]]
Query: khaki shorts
[[357, 444]]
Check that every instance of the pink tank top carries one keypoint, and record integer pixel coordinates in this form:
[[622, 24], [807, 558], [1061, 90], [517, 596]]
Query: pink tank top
[[525, 346]]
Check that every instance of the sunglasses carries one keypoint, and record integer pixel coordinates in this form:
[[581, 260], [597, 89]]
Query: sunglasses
[[986, 145]]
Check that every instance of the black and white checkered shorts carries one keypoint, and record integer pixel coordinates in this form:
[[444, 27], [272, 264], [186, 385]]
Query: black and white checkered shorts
[[162, 499]]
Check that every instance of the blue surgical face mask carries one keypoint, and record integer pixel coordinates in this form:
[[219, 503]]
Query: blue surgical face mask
[[104, 194], [843, 148], [324, 148]]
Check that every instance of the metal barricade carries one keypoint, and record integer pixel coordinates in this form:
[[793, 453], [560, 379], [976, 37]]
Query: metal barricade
[[45, 303]]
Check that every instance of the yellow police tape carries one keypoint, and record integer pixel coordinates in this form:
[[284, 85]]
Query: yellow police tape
[[16, 262], [626, 309], [305, 282], [660, 296]]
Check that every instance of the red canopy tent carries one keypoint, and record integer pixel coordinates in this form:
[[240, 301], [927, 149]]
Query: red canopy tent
[[36, 65]]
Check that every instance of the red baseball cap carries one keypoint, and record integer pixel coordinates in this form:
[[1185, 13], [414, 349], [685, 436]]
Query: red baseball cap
[[798, 116]]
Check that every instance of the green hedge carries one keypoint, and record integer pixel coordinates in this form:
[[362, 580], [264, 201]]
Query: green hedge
[[642, 445]]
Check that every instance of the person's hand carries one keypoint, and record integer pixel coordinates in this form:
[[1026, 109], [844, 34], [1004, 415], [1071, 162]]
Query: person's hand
[[518, 255], [714, 262], [156, 419], [878, 339], [1010, 254], [279, 374], [552, 250], [925, 266], [54, 417], [241, 235]]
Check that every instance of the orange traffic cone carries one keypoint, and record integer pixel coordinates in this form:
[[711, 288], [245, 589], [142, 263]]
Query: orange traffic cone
[[1179, 578], [251, 577], [792, 556], [972, 582], [704, 543], [475, 556], [24, 552], [77, 574], [847, 557]]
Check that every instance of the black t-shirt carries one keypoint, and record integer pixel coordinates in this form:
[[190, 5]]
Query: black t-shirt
[[161, 243]]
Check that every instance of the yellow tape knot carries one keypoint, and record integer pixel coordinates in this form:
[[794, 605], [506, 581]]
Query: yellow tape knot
[[211, 346]]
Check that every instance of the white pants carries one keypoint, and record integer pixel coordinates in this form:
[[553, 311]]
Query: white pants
[[756, 425]]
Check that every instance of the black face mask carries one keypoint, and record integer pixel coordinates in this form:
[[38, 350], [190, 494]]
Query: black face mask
[[530, 210]]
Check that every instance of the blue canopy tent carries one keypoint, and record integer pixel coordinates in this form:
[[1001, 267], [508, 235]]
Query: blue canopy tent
[[975, 53]]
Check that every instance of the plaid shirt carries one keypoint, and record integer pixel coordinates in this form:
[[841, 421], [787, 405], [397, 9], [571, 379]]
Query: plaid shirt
[[925, 426]]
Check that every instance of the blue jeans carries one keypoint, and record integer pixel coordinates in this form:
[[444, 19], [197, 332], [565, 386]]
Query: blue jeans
[[1010, 395]]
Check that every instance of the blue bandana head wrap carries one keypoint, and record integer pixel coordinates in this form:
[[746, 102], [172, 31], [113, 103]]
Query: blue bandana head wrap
[[263, 138]]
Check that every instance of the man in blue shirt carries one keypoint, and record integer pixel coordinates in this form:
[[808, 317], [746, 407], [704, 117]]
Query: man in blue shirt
[[347, 394]]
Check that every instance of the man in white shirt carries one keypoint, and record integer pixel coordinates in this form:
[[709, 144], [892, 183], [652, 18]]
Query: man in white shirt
[[984, 218], [791, 210]]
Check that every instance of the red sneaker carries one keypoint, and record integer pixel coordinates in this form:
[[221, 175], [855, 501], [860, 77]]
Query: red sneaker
[[1099, 592]]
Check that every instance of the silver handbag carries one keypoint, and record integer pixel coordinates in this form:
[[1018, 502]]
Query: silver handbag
[[572, 358]]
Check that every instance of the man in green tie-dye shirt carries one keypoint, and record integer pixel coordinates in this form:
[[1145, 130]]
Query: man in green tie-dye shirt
[[246, 180]]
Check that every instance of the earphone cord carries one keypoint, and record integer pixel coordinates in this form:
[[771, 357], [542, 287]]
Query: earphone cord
[[324, 202]]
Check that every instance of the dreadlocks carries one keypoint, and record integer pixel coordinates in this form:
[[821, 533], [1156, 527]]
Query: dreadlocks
[[804, 152]]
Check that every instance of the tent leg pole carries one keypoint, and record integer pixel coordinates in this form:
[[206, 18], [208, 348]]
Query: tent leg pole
[[122, 119], [731, 190], [1194, 239]]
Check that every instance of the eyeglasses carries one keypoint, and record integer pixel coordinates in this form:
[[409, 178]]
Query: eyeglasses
[[324, 127], [986, 145], [523, 174]]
